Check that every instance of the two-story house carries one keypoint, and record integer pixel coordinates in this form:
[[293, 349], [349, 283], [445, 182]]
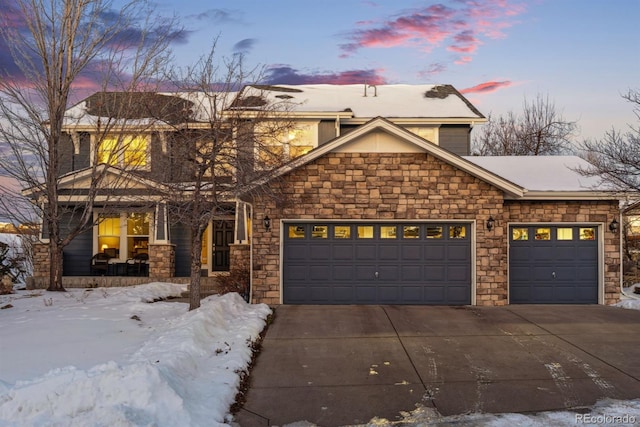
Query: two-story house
[[381, 204]]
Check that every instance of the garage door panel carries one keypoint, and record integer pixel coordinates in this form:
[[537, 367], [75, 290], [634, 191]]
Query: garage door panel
[[372, 265], [298, 251], [388, 294], [343, 294], [458, 274], [320, 252], [435, 252], [320, 294], [412, 273], [435, 273], [342, 252], [342, 273], [366, 294], [319, 273], [457, 253], [365, 272], [296, 272], [365, 252], [411, 252], [562, 269], [389, 252]]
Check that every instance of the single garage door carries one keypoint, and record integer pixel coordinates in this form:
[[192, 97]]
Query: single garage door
[[553, 264], [377, 263]]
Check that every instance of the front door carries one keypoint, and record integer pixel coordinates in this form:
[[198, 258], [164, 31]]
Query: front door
[[222, 238]]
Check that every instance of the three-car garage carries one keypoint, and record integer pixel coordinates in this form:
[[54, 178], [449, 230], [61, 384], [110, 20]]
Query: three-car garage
[[432, 263]]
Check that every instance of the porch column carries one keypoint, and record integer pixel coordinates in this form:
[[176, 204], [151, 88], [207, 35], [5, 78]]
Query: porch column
[[243, 212], [162, 254]]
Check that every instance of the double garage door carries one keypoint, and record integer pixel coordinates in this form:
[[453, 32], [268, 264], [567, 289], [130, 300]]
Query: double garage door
[[553, 264], [377, 263]]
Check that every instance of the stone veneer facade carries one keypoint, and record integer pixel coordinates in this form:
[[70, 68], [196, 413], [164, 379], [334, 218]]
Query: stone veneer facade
[[162, 260], [414, 186]]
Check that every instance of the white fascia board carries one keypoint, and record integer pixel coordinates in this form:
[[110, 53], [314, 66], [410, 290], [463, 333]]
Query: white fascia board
[[434, 121], [567, 195]]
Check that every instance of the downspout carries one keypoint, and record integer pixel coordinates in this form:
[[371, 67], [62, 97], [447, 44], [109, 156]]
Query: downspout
[[337, 125], [247, 233]]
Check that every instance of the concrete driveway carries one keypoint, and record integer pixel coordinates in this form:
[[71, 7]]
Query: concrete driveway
[[343, 365]]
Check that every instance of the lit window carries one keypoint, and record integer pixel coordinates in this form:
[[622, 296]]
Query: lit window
[[457, 232], [124, 150], [411, 232], [543, 234], [387, 231], [365, 232], [342, 232], [296, 232], [137, 234], [319, 231], [565, 233], [428, 133], [587, 234], [109, 235], [520, 234], [434, 232]]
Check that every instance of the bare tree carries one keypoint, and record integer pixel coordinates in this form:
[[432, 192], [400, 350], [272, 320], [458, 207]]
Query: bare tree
[[616, 157], [539, 130], [57, 47], [231, 139]]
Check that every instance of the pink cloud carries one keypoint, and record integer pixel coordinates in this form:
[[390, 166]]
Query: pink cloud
[[487, 87], [459, 29]]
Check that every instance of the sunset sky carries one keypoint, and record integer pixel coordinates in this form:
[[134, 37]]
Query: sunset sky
[[583, 54]]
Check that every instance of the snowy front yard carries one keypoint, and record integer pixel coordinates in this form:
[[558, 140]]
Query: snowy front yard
[[108, 357]]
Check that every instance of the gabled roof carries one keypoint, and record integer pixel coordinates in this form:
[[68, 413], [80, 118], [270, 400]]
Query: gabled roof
[[72, 185], [366, 101], [382, 124]]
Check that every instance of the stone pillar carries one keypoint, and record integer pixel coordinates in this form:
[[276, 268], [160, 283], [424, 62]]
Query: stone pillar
[[41, 260], [162, 260], [239, 255]]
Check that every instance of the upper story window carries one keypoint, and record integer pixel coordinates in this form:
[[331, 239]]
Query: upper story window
[[124, 150], [429, 133], [284, 145]]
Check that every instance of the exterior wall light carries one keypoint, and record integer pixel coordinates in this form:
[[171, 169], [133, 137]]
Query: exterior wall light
[[490, 223], [267, 222], [614, 226]]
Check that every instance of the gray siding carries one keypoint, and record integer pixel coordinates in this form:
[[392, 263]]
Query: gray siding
[[326, 131], [180, 236], [77, 254], [456, 138]]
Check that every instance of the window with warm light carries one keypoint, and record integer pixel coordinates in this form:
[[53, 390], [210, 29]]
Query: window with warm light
[[124, 150], [426, 132], [124, 235], [109, 234], [280, 146]]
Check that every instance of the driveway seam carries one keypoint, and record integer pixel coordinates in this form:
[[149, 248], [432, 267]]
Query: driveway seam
[[415, 369]]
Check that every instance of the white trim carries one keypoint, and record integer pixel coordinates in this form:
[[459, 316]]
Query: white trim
[[601, 255]]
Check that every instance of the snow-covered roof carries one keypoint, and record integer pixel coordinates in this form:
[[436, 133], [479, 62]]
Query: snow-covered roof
[[541, 173], [368, 101], [200, 106]]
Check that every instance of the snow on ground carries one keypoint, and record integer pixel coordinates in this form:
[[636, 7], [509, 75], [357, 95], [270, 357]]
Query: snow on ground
[[108, 356]]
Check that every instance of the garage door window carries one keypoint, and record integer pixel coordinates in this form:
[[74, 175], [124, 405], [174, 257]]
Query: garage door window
[[565, 234], [543, 234], [365, 232], [458, 232], [319, 231], [296, 232], [587, 233], [434, 232], [410, 232], [342, 232], [520, 234], [388, 232]]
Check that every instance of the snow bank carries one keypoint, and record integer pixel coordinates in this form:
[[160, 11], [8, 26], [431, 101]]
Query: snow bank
[[185, 372]]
